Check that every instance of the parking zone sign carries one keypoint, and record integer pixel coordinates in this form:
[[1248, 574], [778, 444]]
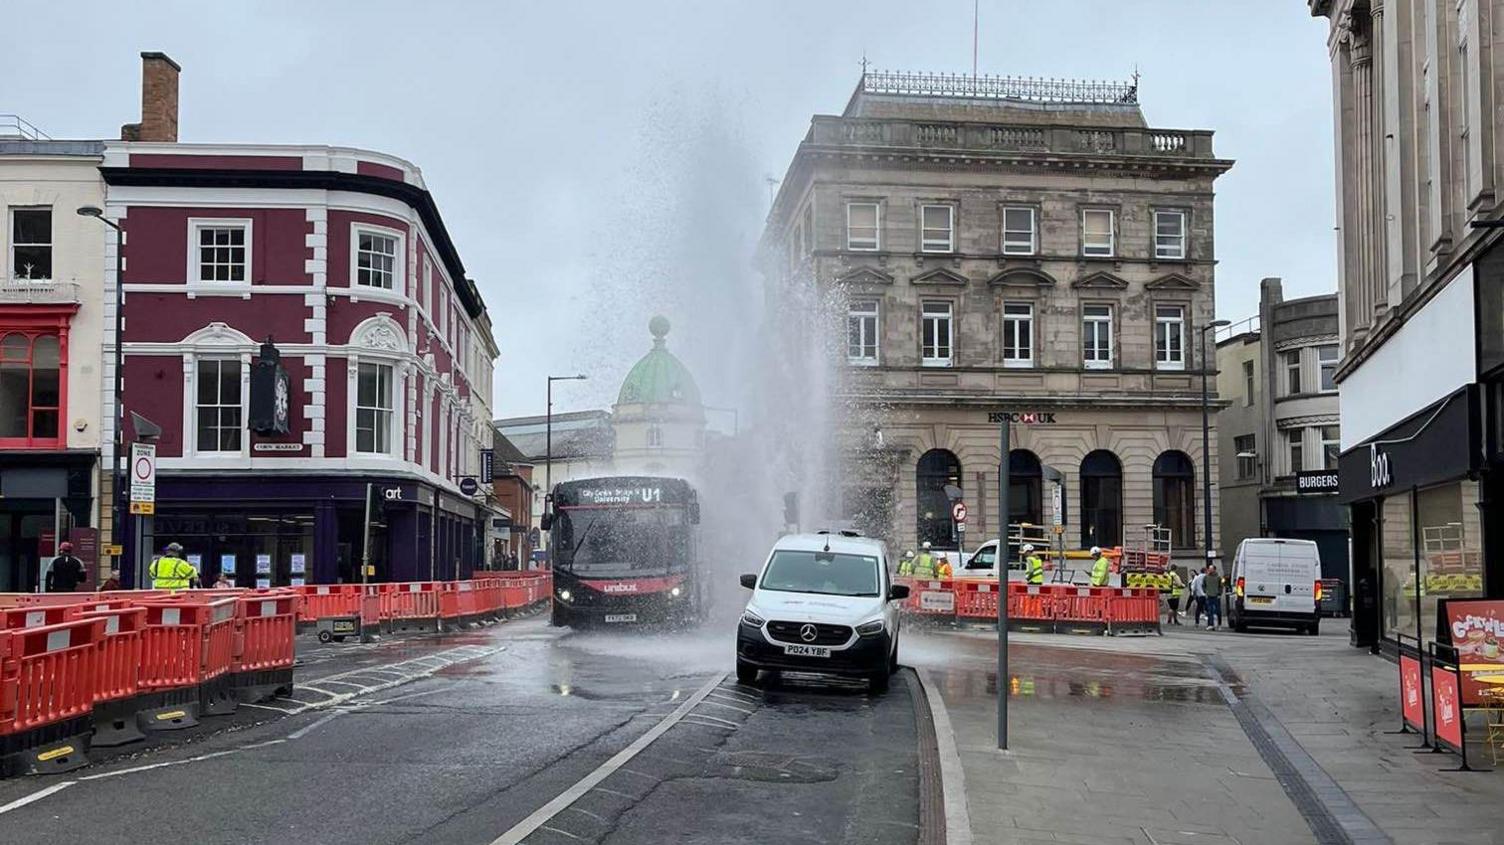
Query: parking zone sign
[[143, 472]]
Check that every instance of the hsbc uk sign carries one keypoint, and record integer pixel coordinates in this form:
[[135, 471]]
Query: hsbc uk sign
[[1025, 417]]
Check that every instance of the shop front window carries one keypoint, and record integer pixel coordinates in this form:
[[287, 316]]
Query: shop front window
[[268, 548], [1446, 530]]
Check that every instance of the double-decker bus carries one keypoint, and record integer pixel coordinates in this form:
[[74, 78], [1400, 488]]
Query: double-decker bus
[[625, 550]]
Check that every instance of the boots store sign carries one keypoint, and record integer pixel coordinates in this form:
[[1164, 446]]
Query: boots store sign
[[1434, 446]]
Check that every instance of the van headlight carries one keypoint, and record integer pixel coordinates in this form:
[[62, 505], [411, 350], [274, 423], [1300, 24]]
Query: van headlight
[[870, 629], [751, 619]]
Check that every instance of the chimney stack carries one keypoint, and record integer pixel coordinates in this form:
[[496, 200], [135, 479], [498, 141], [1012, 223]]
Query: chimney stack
[[159, 101]]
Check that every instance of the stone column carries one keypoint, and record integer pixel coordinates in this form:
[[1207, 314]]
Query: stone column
[[1377, 224], [1360, 54]]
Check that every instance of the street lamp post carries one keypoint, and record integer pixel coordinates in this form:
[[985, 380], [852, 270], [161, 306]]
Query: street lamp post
[[548, 447], [1206, 439], [119, 470]]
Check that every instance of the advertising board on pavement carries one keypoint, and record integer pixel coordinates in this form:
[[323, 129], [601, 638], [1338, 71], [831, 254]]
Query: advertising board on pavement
[[1412, 702], [1476, 630], [1446, 706]]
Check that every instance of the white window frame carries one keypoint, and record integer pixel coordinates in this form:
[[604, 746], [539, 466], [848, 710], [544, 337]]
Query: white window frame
[[1251, 465], [1293, 386], [10, 238], [394, 433], [425, 287], [1088, 318], [948, 316], [1325, 444], [869, 313], [1015, 357], [1163, 360], [1295, 443], [195, 281], [398, 289], [1248, 383], [854, 244], [937, 246], [192, 373], [1323, 365], [1089, 250], [1017, 247], [1173, 247]]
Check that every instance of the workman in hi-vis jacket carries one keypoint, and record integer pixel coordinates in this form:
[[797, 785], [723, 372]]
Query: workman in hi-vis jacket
[[171, 572], [1101, 569], [1035, 566]]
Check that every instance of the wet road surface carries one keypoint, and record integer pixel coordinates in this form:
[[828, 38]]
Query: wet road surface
[[475, 733]]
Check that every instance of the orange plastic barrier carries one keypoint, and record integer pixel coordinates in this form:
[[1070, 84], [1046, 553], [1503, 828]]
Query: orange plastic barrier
[[187, 647], [322, 601], [1081, 609], [1133, 610], [47, 682], [976, 599], [117, 688], [929, 597], [1032, 607], [268, 625], [38, 615]]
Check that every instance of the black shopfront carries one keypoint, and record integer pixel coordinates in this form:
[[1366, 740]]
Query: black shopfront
[[1424, 500]]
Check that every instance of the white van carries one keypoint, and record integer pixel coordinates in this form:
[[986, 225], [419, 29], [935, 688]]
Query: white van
[[1275, 583]]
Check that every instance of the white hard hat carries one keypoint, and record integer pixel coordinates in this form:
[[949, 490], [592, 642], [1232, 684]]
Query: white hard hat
[[1096, 550], [1028, 547], [926, 544]]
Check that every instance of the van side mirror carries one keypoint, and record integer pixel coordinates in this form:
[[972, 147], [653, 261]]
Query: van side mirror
[[898, 592], [546, 521], [749, 581]]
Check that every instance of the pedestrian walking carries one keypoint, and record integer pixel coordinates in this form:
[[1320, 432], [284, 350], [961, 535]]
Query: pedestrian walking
[[1198, 596], [171, 572], [1212, 586], [1177, 588], [1101, 570], [66, 571]]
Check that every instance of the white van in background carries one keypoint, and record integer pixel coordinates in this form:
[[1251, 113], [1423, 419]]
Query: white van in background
[[1275, 583]]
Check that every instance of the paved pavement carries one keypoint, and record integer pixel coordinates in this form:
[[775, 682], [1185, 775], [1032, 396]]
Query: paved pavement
[[1196, 737], [474, 738]]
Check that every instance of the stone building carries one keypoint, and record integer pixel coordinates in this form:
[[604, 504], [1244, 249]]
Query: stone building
[[989, 246], [1278, 433], [1421, 381]]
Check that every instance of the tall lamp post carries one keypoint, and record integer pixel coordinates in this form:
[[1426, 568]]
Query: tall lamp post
[[548, 447], [119, 470], [1206, 438]]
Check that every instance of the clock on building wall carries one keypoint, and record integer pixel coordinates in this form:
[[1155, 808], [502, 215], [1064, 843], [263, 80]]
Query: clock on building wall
[[271, 395]]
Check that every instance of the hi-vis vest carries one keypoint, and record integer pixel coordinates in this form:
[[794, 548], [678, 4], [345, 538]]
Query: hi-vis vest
[[924, 565], [1036, 569], [171, 573], [1099, 571]]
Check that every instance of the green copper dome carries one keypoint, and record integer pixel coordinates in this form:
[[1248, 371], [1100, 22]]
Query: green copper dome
[[659, 378]]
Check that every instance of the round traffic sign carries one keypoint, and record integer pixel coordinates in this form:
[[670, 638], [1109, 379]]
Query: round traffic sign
[[143, 468], [958, 512], [469, 486]]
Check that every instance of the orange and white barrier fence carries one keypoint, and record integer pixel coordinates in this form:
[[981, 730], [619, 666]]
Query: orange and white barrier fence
[[1048, 608]]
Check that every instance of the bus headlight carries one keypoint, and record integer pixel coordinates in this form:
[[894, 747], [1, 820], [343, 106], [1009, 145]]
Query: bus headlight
[[563, 595], [675, 592]]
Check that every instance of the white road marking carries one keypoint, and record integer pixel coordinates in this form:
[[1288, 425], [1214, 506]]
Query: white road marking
[[694, 719], [524, 828], [952, 775], [564, 833], [728, 707], [727, 722], [35, 796]]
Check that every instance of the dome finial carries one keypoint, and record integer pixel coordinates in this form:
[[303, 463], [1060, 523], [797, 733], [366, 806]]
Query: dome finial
[[659, 326]]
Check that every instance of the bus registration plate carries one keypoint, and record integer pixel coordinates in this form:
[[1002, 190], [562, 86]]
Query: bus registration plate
[[621, 617], [806, 651]]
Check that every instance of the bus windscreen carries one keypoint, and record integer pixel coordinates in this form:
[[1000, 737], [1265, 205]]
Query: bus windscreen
[[630, 542]]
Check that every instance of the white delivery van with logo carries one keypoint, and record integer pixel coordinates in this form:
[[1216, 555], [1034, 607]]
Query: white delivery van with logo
[[1276, 583]]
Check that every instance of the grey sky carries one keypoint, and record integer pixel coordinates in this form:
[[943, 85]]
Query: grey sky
[[600, 162]]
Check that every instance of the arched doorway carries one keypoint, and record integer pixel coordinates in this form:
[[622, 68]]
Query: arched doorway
[[1025, 488], [1101, 499], [936, 468], [1175, 497]]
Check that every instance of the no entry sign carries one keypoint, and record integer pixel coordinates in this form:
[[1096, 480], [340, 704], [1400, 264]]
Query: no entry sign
[[143, 472]]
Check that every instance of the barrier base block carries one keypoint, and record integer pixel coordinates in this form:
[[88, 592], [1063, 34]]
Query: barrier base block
[[117, 723], [1031, 626], [1088, 628], [263, 685], [48, 750], [216, 698], [414, 626], [171, 710]]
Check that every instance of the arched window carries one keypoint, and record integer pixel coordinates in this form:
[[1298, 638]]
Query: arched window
[[1025, 488], [936, 469], [1175, 497], [1101, 499]]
